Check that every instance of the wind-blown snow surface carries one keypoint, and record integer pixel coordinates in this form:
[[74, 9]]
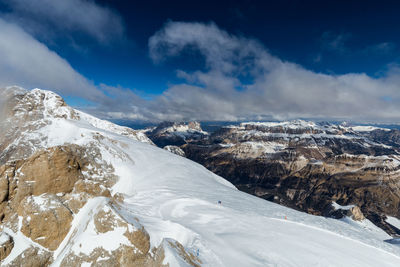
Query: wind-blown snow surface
[[176, 198]]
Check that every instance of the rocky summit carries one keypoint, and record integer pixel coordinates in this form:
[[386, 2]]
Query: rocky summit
[[79, 191]]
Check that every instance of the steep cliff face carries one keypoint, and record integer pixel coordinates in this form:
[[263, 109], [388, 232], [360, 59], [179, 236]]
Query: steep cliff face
[[309, 166]]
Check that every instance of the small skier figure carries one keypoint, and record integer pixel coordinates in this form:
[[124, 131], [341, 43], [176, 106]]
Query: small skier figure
[[219, 202]]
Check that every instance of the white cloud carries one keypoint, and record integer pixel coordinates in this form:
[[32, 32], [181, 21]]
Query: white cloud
[[241, 80], [277, 89], [26, 62], [48, 18]]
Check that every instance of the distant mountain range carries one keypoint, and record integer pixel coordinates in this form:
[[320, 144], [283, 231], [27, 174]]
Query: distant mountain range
[[304, 165]]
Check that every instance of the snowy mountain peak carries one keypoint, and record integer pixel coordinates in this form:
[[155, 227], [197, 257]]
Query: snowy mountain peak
[[43, 102], [28, 117]]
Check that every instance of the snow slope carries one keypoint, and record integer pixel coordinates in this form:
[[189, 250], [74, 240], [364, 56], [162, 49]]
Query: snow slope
[[175, 198]]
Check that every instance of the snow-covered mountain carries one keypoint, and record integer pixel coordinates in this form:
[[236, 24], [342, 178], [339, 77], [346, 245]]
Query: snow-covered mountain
[[78, 191]]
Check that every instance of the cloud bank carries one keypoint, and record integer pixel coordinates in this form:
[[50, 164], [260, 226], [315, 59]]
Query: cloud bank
[[28, 63], [51, 18], [243, 80]]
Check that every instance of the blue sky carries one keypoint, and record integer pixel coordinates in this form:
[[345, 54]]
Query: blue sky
[[324, 36], [346, 50]]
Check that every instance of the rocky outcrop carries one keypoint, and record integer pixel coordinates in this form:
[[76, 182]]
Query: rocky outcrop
[[52, 171], [134, 251], [186, 256], [357, 215], [6, 245], [32, 257], [176, 150], [45, 220]]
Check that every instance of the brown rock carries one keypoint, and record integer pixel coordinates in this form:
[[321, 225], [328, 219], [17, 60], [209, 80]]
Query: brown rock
[[187, 256], [32, 257], [45, 220], [124, 256], [75, 202], [92, 188], [51, 171], [136, 254], [140, 239], [3, 188], [107, 220]]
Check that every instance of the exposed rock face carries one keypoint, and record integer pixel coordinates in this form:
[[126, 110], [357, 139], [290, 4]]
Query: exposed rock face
[[47, 189], [188, 257], [32, 257], [6, 245], [51, 171], [307, 166], [45, 220]]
